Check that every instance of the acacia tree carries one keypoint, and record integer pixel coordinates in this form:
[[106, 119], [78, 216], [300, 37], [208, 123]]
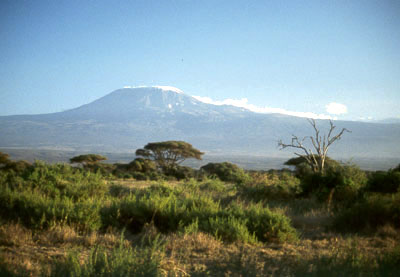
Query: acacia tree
[[168, 154], [87, 159], [4, 158], [316, 155]]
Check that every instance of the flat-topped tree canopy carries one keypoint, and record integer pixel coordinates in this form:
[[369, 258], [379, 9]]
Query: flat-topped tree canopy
[[4, 158], [88, 159], [169, 153]]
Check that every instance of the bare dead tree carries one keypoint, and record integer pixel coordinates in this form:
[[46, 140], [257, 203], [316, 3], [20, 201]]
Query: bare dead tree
[[315, 156]]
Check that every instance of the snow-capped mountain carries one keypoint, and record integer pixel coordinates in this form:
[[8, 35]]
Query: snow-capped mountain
[[128, 118]]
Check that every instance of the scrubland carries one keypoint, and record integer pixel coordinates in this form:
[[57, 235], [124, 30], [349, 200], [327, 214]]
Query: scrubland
[[58, 220]]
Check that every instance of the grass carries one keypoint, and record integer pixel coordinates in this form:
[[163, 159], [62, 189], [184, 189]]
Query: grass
[[61, 221]]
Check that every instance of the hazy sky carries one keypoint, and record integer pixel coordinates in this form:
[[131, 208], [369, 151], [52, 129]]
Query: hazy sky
[[297, 56]]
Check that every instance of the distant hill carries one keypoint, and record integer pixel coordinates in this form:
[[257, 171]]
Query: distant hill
[[128, 118]]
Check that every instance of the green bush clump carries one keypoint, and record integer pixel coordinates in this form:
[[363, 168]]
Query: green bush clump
[[213, 185], [36, 210], [139, 168], [371, 212], [49, 194], [62, 180], [229, 229], [180, 172], [172, 210], [162, 205], [272, 186], [385, 182], [264, 223], [227, 172], [342, 183]]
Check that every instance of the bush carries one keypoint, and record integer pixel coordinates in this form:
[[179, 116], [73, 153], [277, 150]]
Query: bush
[[343, 183], [172, 210], [36, 210], [227, 172], [142, 165], [229, 229], [140, 169], [303, 168], [385, 182], [180, 172], [48, 194], [371, 212], [272, 186]]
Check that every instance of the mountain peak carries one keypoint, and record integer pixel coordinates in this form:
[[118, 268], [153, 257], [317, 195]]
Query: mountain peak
[[164, 88]]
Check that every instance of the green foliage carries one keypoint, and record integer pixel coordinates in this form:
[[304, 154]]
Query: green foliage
[[88, 159], [343, 183], [272, 186], [36, 210], [168, 154], [140, 169], [121, 261], [172, 210], [385, 182], [50, 194], [180, 172], [369, 213], [303, 168], [18, 166], [227, 172], [142, 165], [229, 229], [214, 185], [4, 158]]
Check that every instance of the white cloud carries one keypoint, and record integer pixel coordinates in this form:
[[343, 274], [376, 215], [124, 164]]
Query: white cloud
[[336, 108], [243, 103]]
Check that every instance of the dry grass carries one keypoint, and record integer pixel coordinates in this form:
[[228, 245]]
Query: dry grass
[[196, 254], [24, 253], [14, 234]]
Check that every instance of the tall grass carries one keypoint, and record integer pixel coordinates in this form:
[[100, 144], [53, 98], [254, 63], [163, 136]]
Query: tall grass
[[123, 260]]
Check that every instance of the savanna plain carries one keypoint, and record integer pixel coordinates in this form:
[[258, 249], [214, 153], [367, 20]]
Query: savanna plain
[[99, 219]]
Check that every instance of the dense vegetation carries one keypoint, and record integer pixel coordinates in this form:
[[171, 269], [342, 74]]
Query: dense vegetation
[[129, 227]]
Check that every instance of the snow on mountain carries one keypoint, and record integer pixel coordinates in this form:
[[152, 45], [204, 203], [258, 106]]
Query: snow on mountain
[[164, 88], [169, 88]]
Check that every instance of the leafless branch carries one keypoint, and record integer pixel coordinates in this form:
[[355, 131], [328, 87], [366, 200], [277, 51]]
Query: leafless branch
[[320, 144]]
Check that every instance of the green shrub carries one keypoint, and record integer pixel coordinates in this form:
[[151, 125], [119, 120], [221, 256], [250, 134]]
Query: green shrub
[[140, 169], [265, 224], [272, 186], [370, 213], [385, 182], [303, 168], [180, 172], [213, 185], [36, 210], [50, 194], [343, 183], [229, 229], [227, 172], [142, 165], [173, 210]]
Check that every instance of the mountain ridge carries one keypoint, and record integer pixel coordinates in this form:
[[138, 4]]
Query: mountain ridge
[[128, 118]]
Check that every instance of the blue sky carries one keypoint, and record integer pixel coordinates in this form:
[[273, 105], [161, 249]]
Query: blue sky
[[297, 56]]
